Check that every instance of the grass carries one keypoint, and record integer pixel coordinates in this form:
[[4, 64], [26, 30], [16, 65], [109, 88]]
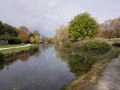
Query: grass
[[14, 50], [85, 81], [106, 52]]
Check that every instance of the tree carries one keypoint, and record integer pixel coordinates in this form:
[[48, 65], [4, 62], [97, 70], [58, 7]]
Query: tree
[[32, 39], [1, 28], [82, 26], [61, 34], [110, 28], [5, 28], [117, 32], [10, 30], [48, 40], [37, 36], [23, 33]]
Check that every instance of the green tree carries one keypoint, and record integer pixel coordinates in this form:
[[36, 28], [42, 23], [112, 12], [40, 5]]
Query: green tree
[[32, 39], [12, 31], [1, 28], [82, 26], [37, 37]]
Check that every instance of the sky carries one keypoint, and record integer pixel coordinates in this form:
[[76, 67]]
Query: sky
[[47, 15]]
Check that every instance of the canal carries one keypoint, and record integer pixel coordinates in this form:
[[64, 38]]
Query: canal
[[44, 70]]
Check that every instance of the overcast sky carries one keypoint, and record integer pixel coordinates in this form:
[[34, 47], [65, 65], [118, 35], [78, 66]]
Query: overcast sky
[[47, 15]]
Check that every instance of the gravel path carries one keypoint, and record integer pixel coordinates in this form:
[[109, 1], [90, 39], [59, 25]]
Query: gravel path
[[110, 78], [15, 47]]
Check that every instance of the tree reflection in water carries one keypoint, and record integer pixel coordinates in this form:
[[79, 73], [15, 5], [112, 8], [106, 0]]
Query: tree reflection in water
[[23, 57], [79, 62]]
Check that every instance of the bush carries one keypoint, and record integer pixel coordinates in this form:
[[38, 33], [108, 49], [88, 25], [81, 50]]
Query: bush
[[96, 45], [15, 41], [91, 46]]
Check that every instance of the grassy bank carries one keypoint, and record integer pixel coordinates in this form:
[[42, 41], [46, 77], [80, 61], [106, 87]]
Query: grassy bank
[[87, 59], [15, 52], [85, 81]]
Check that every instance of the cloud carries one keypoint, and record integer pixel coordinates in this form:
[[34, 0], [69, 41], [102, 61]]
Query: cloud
[[47, 15]]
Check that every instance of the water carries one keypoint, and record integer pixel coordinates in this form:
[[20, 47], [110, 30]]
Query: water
[[43, 71]]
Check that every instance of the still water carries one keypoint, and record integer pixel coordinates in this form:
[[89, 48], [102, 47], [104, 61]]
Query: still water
[[44, 70]]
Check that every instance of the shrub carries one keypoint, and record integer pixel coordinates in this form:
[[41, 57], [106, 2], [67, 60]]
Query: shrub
[[15, 41], [91, 46], [94, 45]]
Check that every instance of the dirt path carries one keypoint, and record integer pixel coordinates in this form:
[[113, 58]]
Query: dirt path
[[15, 47], [110, 78]]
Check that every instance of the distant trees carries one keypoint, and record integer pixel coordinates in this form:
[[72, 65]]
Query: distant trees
[[48, 40], [6, 29], [61, 34], [28, 36], [34, 37], [18, 35], [37, 36], [23, 33], [8, 33], [82, 26], [110, 28]]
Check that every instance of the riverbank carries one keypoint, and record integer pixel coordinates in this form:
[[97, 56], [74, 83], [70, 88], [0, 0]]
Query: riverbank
[[87, 59], [7, 47], [109, 79], [8, 52], [86, 81]]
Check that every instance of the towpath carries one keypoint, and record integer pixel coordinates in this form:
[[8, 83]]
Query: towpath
[[15, 47]]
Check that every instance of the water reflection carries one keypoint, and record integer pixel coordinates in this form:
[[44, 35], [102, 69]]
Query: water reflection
[[41, 71], [79, 62], [24, 56], [43, 47], [4, 64], [61, 53]]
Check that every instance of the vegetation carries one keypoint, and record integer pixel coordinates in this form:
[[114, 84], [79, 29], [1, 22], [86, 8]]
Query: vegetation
[[34, 37], [48, 40], [23, 33], [13, 53], [6, 29], [86, 80], [61, 34], [17, 35], [86, 64], [110, 28], [7, 32], [82, 26], [86, 56], [15, 50]]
